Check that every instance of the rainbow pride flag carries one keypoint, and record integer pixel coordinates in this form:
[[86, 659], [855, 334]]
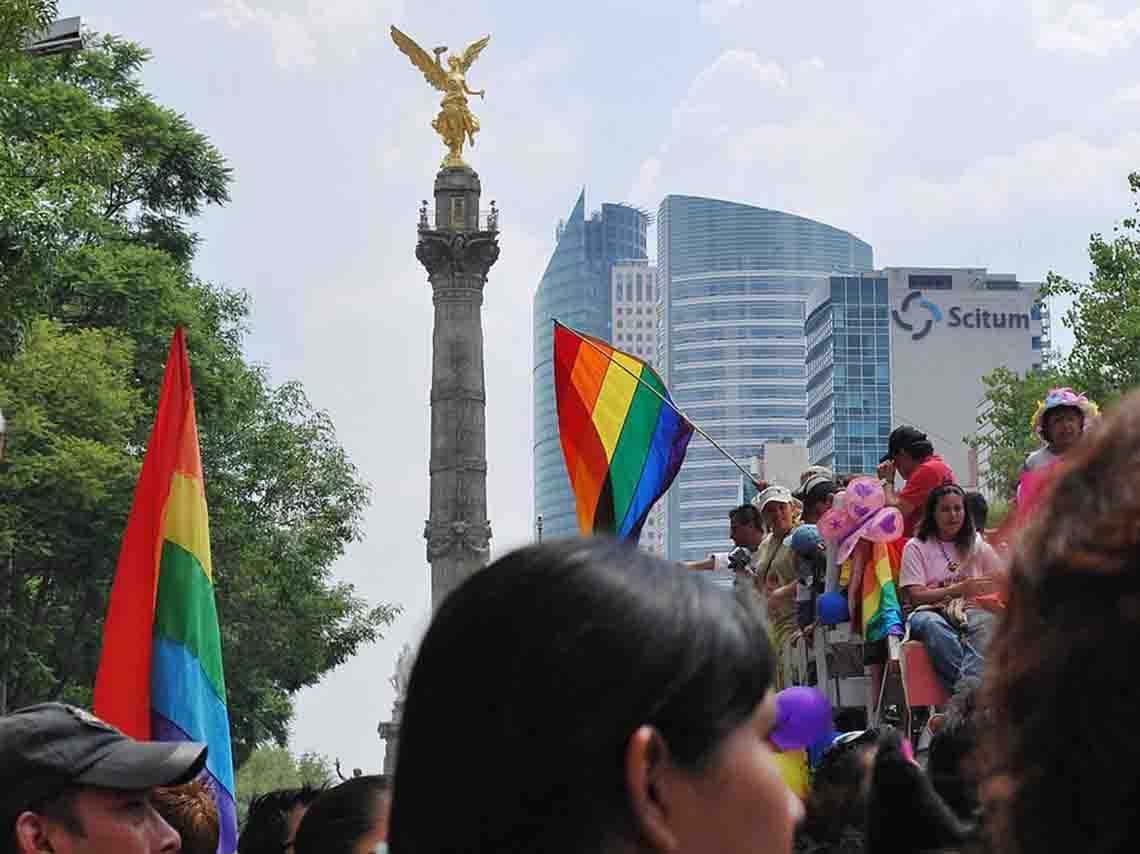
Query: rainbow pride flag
[[623, 443], [879, 605], [160, 676]]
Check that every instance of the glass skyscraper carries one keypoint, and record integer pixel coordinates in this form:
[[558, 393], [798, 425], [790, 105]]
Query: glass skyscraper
[[734, 282], [849, 374], [575, 290]]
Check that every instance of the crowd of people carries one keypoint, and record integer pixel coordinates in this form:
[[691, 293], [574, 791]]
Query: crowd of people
[[583, 696]]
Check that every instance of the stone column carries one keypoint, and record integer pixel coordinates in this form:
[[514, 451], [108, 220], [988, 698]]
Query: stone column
[[457, 248]]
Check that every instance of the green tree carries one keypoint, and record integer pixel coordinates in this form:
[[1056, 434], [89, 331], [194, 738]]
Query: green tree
[[20, 20], [1105, 359], [97, 183], [272, 767]]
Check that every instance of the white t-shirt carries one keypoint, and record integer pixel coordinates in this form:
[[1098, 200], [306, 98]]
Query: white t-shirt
[[926, 563]]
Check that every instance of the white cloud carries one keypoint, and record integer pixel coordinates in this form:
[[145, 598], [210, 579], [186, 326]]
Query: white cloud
[[1085, 29], [1128, 96], [300, 35], [715, 11]]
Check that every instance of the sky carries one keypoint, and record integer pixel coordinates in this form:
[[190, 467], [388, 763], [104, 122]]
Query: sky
[[988, 133]]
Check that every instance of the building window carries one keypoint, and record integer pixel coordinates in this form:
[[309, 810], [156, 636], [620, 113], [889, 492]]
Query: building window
[[619, 324], [639, 292], [1035, 312], [930, 283], [620, 297], [1036, 341]]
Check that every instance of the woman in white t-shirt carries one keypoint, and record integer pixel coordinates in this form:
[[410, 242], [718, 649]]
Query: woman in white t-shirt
[[946, 567]]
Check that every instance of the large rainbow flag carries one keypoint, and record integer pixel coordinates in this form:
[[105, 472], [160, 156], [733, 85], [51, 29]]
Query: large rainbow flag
[[878, 604], [623, 443], [160, 676]]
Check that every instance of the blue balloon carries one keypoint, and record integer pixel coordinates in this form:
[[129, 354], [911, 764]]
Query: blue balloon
[[833, 609]]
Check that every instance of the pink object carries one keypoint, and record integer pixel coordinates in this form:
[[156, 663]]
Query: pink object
[[921, 685], [860, 512]]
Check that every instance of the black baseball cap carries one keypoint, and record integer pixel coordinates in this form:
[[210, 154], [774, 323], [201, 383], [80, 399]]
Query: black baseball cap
[[903, 439], [45, 748]]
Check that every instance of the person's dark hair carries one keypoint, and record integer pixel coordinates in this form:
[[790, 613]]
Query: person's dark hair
[[819, 493], [1050, 415], [1061, 755], [343, 815], [920, 451], [837, 800], [539, 669], [745, 514], [928, 527], [60, 808], [979, 510], [190, 809], [266, 823], [950, 762], [904, 813]]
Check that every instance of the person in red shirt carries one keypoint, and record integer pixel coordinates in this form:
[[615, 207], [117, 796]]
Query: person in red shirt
[[910, 454]]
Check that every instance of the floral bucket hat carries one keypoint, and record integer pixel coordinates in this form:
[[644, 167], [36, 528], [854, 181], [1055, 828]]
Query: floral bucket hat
[[860, 512], [1058, 397]]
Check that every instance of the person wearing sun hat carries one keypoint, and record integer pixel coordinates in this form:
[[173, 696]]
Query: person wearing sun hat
[[1059, 421]]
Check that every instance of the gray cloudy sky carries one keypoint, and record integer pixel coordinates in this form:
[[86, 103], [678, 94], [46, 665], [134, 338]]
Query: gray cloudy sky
[[992, 133]]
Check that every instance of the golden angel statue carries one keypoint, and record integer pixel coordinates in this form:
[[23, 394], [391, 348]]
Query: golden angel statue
[[455, 122]]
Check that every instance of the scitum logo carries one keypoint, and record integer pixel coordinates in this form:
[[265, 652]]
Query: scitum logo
[[928, 322], [968, 318]]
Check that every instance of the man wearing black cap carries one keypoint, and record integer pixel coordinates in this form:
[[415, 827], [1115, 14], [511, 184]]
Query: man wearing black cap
[[72, 784], [910, 454]]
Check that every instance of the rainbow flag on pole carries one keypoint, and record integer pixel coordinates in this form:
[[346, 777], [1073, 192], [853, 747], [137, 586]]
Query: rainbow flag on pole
[[622, 439], [160, 676], [879, 606]]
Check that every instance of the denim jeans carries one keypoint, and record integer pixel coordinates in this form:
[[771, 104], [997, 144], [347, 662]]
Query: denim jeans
[[954, 654]]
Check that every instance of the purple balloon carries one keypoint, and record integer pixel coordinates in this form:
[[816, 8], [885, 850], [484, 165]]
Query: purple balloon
[[803, 716]]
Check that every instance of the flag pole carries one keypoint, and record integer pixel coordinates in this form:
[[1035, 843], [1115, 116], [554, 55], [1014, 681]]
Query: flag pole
[[696, 427]]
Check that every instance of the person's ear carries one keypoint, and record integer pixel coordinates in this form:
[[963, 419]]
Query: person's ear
[[32, 834], [649, 780]]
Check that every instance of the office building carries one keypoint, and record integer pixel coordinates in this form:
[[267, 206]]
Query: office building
[[633, 318], [733, 284], [575, 290], [908, 345]]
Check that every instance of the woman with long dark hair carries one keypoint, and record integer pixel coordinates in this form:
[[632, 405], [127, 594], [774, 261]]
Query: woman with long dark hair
[[585, 697], [946, 568]]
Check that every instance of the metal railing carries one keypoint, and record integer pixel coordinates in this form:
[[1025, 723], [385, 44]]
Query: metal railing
[[487, 219]]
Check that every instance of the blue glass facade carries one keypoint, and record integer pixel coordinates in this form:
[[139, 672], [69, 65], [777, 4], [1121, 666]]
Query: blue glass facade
[[575, 289], [849, 374], [734, 286]]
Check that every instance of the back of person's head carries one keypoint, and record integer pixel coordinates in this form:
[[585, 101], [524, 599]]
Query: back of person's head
[[539, 670], [950, 762], [745, 514], [837, 800], [1061, 683], [979, 510], [190, 809], [267, 825], [928, 527], [905, 814], [344, 816]]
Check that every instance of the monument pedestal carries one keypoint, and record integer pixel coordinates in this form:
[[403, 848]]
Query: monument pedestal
[[457, 246]]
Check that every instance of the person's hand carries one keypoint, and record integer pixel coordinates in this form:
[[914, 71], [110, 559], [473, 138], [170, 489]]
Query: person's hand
[[971, 588], [886, 470]]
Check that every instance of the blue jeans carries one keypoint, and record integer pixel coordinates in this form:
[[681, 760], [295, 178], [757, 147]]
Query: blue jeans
[[954, 654]]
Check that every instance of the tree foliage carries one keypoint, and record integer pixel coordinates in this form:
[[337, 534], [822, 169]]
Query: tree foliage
[[1105, 359], [270, 768], [97, 184]]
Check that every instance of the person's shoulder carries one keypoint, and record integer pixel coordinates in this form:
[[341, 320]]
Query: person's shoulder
[[1039, 458]]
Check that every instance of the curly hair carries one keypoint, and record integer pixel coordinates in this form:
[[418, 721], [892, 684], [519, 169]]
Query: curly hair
[[1060, 759]]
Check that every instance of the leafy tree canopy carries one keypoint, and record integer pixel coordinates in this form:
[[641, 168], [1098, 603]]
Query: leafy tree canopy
[[1104, 361], [97, 185]]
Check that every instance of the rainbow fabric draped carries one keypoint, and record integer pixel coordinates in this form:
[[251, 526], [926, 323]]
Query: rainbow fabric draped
[[160, 675], [623, 444], [881, 614]]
